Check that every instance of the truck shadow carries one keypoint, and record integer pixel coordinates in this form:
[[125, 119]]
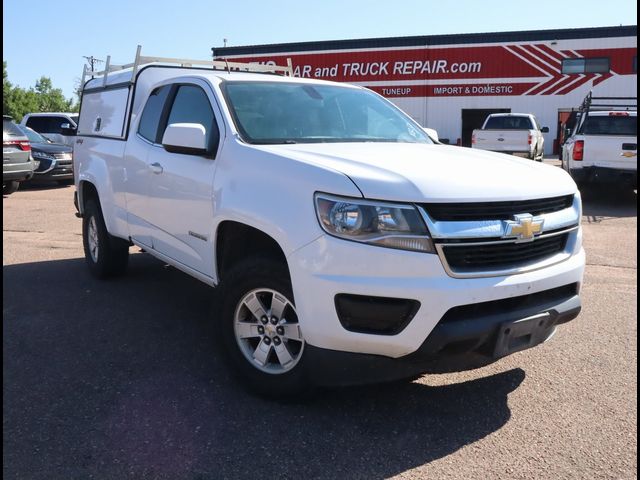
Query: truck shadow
[[122, 378], [46, 185], [604, 201]]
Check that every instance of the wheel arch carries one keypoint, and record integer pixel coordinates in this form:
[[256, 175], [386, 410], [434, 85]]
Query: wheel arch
[[86, 191], [90, 188], [235, 241]]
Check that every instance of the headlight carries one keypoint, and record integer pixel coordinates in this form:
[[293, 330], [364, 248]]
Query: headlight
[[389, 225], [42, 155]]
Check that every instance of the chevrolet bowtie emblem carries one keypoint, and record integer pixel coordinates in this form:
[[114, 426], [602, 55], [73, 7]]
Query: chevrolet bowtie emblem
[[523, 227], [629, 154]]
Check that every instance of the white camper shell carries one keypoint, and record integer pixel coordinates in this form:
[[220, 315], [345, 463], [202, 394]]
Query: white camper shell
[[107, 96]]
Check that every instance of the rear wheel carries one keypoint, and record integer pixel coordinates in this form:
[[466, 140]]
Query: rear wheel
[[106, 256], [10, 187], [260, 329]]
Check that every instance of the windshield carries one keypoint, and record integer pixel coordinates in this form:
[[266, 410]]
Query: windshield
[[610, 125], [32, 135], [75, 118], [277, 112]]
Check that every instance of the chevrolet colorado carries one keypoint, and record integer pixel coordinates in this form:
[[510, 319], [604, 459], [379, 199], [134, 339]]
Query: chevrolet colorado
[[344, 244]]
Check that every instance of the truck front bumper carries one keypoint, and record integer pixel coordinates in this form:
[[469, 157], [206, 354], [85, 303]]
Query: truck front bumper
[[457, 317], [461, 341]]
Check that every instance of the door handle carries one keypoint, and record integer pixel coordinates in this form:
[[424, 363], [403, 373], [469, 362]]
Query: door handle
[[156, 168]]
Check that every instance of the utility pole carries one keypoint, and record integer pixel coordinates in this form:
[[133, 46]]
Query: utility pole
[[92, 61]]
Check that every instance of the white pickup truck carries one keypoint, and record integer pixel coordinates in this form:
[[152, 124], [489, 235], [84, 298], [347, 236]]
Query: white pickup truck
[[344, 244], [602, 146], [518, 134]]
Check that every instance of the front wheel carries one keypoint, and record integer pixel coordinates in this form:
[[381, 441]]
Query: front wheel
[[106, 256], [10, 187], [537, 156], [260, 329]]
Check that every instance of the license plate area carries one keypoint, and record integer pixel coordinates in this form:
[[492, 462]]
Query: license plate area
[[522, 334]]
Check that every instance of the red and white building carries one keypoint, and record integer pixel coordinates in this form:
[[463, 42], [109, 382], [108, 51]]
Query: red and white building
[[452, 82]]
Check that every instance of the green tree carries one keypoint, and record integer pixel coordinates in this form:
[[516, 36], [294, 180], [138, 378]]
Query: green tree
[[51, 99], [6, 89], [21, 102], [44, 97]]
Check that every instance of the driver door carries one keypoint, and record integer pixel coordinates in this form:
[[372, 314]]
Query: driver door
[[180, 203]]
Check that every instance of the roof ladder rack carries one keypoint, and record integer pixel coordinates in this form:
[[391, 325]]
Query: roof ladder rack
[[591, 103], [141, 60]]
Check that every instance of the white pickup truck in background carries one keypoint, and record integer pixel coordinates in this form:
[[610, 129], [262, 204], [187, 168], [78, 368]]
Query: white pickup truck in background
[[602, 145], [513, 133]]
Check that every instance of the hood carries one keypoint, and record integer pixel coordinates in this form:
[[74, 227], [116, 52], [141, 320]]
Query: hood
[[51, 147], [437, 173]]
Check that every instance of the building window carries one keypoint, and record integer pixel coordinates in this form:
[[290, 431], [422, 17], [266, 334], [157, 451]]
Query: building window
[[585, 65]]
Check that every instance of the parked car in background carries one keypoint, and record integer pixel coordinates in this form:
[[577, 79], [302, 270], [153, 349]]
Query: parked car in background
[[56, 126], [56, 159], [518, 134], [603, 145], [17, 163]]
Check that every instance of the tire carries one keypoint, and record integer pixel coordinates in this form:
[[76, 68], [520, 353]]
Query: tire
[[535, 157], [106, 256], [267, 357], [10, 187]]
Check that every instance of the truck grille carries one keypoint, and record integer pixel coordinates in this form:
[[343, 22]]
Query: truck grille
[[495, 210], [502, 256]]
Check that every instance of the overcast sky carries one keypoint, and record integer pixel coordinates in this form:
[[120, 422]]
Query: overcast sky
[[51, 37]]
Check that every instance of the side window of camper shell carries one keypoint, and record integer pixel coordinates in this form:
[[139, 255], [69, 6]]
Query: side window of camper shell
[[150, 118]]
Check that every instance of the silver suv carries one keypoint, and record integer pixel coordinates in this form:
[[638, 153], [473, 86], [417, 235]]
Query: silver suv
[[17, 163]]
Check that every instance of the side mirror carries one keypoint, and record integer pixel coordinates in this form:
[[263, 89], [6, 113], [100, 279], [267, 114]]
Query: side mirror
[[432, 133], [187, 138], [68, 130], [544, 129]]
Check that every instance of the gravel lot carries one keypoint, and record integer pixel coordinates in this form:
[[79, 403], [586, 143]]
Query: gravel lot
[[121, 379]]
